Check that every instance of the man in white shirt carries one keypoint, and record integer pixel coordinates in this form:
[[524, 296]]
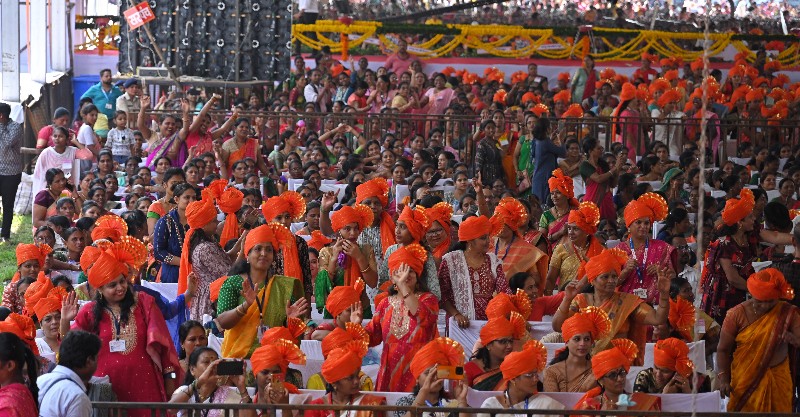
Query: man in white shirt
[[62, 393], [130, 101]]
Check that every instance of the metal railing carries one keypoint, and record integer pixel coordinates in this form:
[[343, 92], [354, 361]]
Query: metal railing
[[458, 129], [115, 409]]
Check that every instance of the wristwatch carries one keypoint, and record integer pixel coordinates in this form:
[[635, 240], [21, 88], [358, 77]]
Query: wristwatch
[[170, 375]]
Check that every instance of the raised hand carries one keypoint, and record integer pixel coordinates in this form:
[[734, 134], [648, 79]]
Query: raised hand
[[298, 309], [191, 283], [356, 313], [328, 200], [69, 308], [248, 292]]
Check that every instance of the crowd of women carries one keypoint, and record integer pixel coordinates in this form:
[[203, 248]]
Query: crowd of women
[[255, 240]]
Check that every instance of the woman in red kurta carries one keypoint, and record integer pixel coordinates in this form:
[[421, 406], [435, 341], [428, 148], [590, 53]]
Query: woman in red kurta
[[136, 352], [405, 321]]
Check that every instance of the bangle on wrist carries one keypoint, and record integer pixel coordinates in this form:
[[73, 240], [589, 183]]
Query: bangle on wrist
[[366, 269]]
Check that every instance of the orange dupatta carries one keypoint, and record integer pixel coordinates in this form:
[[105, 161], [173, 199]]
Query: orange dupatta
[[249, 149]]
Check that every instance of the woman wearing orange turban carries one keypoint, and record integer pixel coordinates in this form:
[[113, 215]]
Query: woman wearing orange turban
[[271, 361], [554, 220], [729, 258], [405, 321], [470, 276], [630, 314], [136, 352], [611, 368], [292, 261], [337, 338], [429, 390], [30, 260], [203, 256], [516, 254], [379, 233], [347, 260], [571, 368], [671, 372], [250, 301], [48, 313], [632, 118], [568, 257], [497, 339], [339, 305], [645, 255], [411, 227], [341, 369], [439, 236], [752, 359], [521, 374]]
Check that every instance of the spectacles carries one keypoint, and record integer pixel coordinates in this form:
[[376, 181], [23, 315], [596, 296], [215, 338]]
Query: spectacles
[[505, 342], [532, 375], [617, 375], [434, 232], [682, 247]]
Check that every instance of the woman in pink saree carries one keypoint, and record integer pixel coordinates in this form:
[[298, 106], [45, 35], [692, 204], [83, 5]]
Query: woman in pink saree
[[439, 96], [600, 178]]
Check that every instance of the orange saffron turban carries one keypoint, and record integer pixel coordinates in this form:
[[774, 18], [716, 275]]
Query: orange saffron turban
[[607, 261], [110, 227], [769, 284], [116, 259], [230, 202], [290, 253], [474, 227], [378, 187], [36, 291], [413, 255], [607, 73], [682, 317], [737, 209], [564, 76], [532, 357], [341, 337], [574, 110], [563, 96], [563, 184], [592, 320], [512, 211], [416, 221], [198, 214], [288, 202], [441, 212], [343, 296], [22, 327], [649, 205], [281, 352], [343, 361], [261, 234], [529, 97], [295, 327], [669, 96], [49, 304], [620, 356], [671, 75], [359, 213], [26, 252], [540, 110], [501, 327], [318, 240], [660, 84], [586, 217], [441, 351], [755, 94], [503, 304], [673, 354], [628, 92]]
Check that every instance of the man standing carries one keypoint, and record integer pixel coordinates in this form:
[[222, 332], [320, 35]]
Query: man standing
[[62, 393], [10, 167], [104, 94], [130, 102], [399, 61], [307, 13]]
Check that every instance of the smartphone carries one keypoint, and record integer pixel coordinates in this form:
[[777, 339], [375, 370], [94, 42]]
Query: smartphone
[[230, 367], [454, 373]]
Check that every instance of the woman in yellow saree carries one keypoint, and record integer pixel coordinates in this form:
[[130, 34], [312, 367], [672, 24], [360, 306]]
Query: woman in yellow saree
[[629, 315], [516, 254], [752, 357], [250, 301]]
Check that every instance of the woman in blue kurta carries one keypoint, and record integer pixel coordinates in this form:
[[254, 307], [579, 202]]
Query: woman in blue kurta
[[169, 233]]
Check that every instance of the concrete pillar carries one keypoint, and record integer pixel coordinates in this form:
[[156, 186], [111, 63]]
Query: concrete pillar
[[9, 47]]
